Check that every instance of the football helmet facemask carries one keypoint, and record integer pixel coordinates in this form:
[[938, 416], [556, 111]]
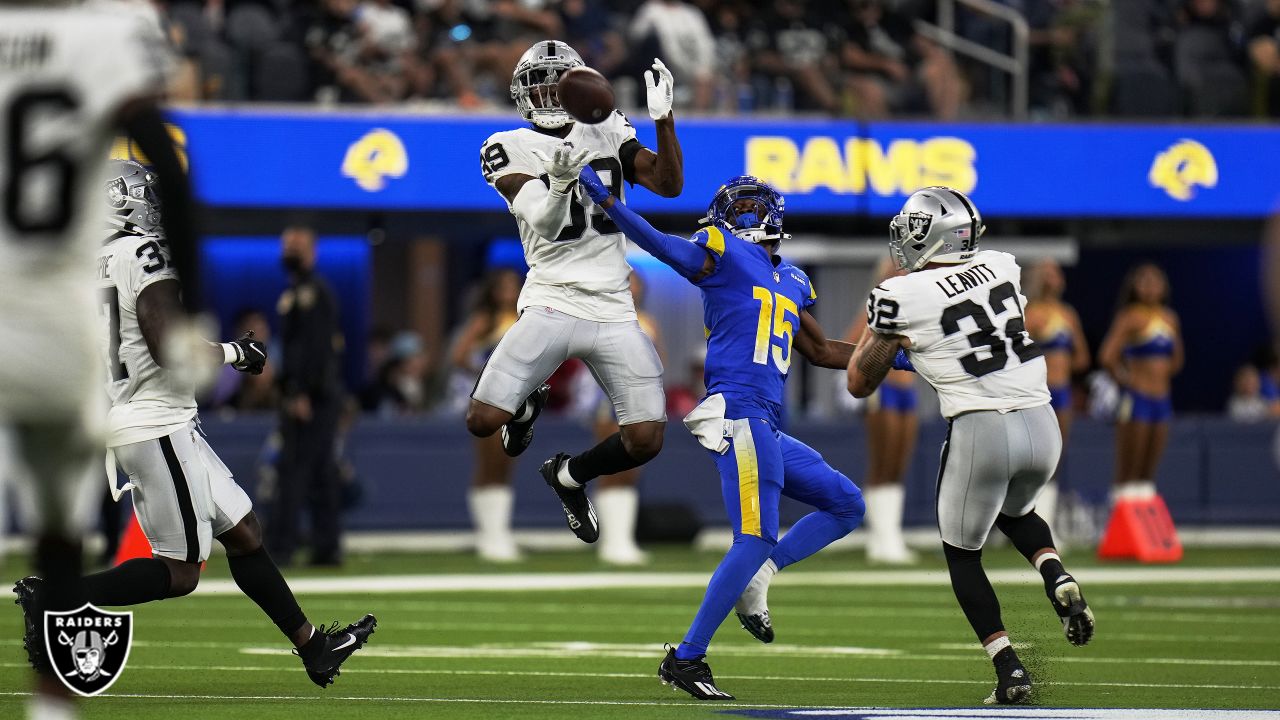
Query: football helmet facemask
[[533, 84], [751, 208], [936, 224], [132, 201]]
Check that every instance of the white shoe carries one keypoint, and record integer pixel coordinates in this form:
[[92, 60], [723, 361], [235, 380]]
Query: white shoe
[[623, 556], [891, 555], [499, 552], [752, 606]]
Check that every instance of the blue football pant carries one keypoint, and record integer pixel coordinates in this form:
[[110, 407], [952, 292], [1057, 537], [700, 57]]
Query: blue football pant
[[761, 465]]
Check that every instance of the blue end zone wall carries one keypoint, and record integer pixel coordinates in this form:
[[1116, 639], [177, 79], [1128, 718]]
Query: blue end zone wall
[[416, 472]]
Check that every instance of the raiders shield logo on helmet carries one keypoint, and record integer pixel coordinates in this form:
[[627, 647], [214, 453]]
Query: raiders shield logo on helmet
[[88, 647]]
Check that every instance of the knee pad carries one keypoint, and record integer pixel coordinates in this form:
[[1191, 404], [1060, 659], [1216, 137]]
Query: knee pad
[[852, 507]]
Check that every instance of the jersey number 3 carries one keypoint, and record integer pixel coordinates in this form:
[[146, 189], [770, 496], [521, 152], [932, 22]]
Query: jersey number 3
[[988, 337]]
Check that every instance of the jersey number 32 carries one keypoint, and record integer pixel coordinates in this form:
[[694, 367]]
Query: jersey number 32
[[997, 342]]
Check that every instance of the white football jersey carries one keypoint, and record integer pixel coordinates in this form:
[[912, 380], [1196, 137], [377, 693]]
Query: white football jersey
[[65, 73], [967, 335], [583, 272], [146, 401]]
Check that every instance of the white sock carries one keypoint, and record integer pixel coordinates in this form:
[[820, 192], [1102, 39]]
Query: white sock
[[1143, 489], [1046, 557], [524, 412], [995, 646], [884, 517], [565, 478], [490, 507], [616, 509]]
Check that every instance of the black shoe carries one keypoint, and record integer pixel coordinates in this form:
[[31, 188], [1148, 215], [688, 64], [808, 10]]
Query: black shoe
[[338, 646], [516, 436], [759, 625], [28, 590], [1068, 601], [1013, 682], [691, 676], [578, 511]]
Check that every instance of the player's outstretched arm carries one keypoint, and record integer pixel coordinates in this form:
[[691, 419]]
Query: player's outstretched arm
[[812, 342], [545, 208], [160, 310], [690, 260], [872, 360], [661, 172]]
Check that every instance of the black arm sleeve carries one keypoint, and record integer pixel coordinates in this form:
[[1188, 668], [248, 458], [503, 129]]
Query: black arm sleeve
[[145, 126], [627, 154]]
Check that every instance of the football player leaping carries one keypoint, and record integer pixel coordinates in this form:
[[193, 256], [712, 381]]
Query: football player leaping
[[755, 307], [958, 314], [576, 301], [183, 494]]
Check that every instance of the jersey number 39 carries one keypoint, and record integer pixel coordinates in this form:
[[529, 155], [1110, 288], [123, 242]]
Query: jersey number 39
[[996, 341]]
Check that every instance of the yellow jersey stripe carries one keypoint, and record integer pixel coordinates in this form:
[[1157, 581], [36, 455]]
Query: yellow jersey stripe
[[744, 452], [715, 240]]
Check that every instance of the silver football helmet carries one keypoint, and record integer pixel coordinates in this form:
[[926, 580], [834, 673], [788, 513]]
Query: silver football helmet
[[132, 201], [936, 224], [533, 84]]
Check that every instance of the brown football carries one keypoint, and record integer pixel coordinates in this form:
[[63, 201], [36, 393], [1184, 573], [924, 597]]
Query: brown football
[[586, 95]]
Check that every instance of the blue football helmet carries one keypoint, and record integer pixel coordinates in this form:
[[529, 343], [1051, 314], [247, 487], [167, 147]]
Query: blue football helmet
[[758, 223]]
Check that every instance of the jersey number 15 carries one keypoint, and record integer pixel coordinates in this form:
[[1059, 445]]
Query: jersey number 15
[[774, 323]]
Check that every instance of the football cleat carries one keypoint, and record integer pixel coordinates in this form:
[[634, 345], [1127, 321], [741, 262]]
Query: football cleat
[[1013, 682], [578, 511], [752, 606], [1077, 618], [338, 646], [27, 589], [516, 435], [691, 676]]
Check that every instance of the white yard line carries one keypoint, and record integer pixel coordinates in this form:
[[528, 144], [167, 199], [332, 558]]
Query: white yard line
[[293, 670], [802, 710], [574, 582]]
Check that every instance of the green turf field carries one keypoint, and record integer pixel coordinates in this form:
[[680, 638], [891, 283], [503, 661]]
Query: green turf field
[[848, 635]]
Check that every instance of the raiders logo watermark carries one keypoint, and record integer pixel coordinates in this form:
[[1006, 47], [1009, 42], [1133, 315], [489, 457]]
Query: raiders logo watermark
[[88, 647]]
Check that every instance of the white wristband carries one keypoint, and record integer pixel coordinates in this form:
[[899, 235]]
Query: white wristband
[[230, 353]]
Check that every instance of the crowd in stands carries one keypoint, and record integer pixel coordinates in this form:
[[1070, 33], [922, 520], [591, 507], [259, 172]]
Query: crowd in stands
[[861, 58]]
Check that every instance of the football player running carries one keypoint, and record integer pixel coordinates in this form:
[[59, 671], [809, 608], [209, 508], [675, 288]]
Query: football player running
[[756, 310], [576, 301], [183, 494], [71, 78], [959, 315]]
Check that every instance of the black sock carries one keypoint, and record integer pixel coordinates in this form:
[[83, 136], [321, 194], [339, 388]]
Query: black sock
[[1030, 534], [132, 582], [58, 562], [312, 647], [260, 580], [606, 458], [973, 590], [1005, 657]]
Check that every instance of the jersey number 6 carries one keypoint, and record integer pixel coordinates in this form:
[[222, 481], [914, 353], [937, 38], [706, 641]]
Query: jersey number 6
[[987, 336]]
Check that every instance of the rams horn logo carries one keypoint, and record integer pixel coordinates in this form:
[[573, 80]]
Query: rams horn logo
[[375, 157], [1184, 166], [88, 647]]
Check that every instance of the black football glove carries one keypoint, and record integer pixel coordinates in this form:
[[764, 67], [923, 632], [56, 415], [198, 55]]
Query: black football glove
[[253, 354]]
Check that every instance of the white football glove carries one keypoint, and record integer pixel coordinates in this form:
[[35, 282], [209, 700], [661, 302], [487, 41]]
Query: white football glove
[[563, 167], [660, 87]]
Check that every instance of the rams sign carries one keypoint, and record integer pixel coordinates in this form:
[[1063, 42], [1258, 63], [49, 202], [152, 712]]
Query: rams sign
[[380, 161]]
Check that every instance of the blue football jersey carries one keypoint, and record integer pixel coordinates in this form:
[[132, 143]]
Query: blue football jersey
[[751, 309]]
